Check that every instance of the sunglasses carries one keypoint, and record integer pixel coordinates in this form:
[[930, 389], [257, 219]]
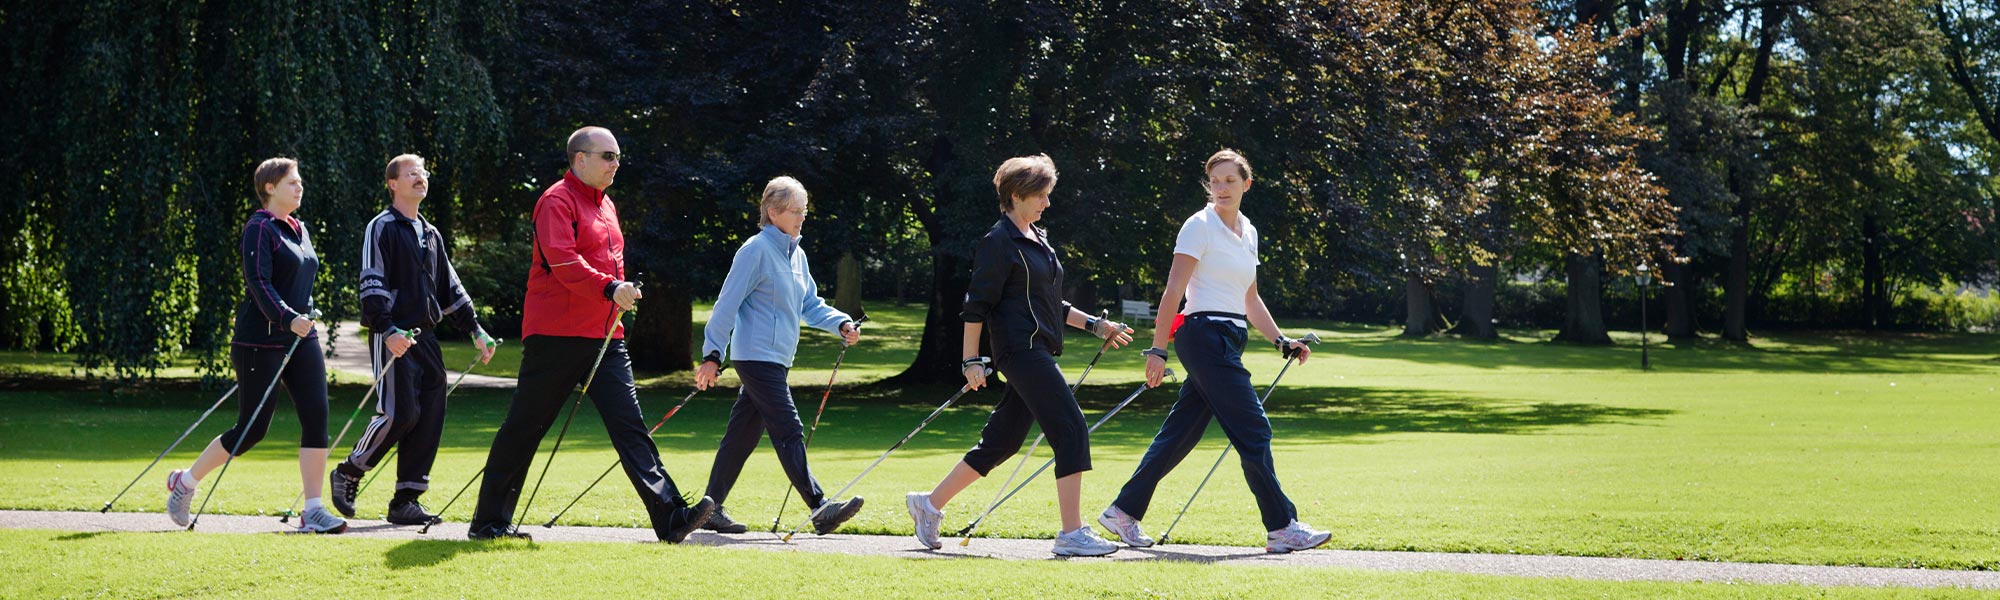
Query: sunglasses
[[606, 156]]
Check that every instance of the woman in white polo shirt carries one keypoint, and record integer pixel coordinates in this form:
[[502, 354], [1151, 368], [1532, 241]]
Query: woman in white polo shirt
[[1215, 268]]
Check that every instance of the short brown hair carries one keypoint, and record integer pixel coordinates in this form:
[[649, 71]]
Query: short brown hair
[[272, 170], [1023, 175], [395, 169], [780, 193], [1226, 155]]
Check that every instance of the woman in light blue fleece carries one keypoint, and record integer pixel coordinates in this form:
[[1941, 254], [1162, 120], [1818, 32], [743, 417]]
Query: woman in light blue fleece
[[769, 291]]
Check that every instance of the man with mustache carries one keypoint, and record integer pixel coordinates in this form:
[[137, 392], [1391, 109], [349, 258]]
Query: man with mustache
[[407, 284]]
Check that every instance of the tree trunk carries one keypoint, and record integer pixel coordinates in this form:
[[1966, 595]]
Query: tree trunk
[[847, 286], [938, 353], [1482, 286], [1583, 323], [1422, 319], [1682, 295], [1736, 283], [1874, 298], [660, 336], [1082, 292]]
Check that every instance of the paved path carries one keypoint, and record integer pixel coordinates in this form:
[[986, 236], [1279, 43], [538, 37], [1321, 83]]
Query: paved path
[[353, 358], [1610, 569]]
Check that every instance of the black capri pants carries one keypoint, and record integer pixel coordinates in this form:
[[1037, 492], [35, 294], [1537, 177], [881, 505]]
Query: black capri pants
[[1036, 394], [304, 380]]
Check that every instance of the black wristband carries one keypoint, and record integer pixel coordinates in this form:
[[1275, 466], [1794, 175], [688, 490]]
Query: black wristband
[[976, 360], [1160, 352], [1285, 348], [714, 357]]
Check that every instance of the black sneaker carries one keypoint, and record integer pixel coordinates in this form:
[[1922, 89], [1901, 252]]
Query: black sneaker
[[832, 514], [410, 512], [497, 531], [721, 523], [685, 520], [345, 485]]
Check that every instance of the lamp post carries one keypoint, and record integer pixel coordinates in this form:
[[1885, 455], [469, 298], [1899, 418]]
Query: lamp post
[[1645, 277]]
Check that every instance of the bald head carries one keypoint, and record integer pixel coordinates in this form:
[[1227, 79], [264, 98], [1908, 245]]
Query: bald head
[[594, 156]]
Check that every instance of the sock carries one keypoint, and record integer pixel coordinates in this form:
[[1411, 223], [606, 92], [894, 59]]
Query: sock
[[314, 504], [187, 480]]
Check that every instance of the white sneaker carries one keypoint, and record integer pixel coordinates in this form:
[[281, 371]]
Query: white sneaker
[[1127, 528], [929, 519], [1083, 542], [1294, 537], [180, 498], [319, 520]]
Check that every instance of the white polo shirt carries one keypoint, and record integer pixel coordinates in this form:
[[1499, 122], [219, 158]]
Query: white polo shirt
[[1228, 262]]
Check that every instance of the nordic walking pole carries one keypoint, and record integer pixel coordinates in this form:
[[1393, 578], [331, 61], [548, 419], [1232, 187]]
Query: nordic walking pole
[[1310, 338], [787, 496], [615, 463], [170, 447], [372, 386], [447, 395], [1102, 314], [899, 443], [254, 413], [616, 313], [967, 532]]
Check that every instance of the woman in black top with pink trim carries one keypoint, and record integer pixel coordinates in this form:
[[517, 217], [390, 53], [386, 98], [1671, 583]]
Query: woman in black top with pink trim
[[278, 269]]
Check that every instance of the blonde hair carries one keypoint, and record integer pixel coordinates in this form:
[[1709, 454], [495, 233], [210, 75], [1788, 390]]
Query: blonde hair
[[395, 168], [271, 171], [1023, 175], [781, 193], [1226, 155]]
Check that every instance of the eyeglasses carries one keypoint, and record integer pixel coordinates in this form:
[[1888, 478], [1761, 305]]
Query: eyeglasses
[[606, 156], [420, 173]]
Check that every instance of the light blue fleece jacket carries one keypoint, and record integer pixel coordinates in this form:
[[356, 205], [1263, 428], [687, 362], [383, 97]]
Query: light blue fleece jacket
[[769, 291]]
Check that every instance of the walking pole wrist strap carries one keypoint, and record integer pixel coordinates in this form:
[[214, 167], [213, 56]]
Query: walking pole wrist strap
[[980, 361]]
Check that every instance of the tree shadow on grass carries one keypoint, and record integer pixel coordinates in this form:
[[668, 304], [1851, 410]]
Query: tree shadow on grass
[[1328, 414], [79, 536], [427, 553], [860, 418], [1811, 352]]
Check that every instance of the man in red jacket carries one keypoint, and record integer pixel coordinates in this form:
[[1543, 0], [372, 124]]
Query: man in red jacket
[[576, 289]]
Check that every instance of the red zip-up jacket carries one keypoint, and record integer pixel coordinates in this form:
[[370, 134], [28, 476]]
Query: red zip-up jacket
[[579, 260]]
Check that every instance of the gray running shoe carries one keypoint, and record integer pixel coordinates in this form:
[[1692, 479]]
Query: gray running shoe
[[929, 519], [1083, 542], [1116, 521], [179, 498], [318, 520], [1294, 537]]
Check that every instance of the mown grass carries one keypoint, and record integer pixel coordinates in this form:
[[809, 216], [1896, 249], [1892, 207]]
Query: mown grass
[[1811, 448], [45, 564]]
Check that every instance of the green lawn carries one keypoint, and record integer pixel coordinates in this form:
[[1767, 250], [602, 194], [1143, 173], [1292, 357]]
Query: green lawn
[[1811, 448], [56, 564]]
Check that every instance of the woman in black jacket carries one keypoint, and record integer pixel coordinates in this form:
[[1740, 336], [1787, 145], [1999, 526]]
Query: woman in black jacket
[[278, 269], [1015, 298]]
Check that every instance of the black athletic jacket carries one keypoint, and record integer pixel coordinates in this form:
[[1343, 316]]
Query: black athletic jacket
[[406, 278], [278, 269], [1016, 291]]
